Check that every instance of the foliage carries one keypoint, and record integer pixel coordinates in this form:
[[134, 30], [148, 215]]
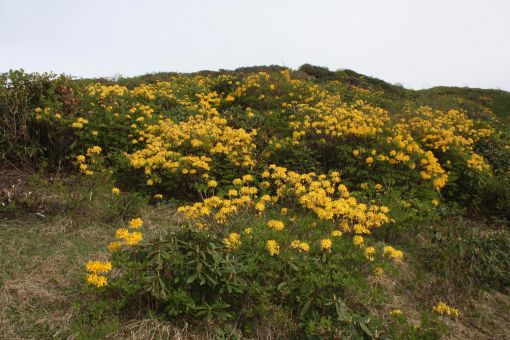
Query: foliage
[[294, 187]]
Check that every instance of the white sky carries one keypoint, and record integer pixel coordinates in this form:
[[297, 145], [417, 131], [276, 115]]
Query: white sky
[[419, 43]]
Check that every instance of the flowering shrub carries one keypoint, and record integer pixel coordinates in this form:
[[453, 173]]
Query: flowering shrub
[[282, 177]]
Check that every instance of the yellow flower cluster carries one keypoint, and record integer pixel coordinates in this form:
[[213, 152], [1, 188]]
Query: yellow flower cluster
[[441, 131], [326, 244], [275, 225], [95, 271], [396, 255], [91, 154], [189, 147], [332, 118], [127, 237], [299, 245], [443, 309], [220, 208], [273, 248], [232, 242], [328, 199]]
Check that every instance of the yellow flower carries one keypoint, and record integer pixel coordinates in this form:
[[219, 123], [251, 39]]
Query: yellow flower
[[212, 183], [369, 253], [396, 312], [158, 196], [248, 231], [326, 244], [96, 280], [336, 233], [304, 246], [133, 238], [357, 240], [395, 254], [115, 191], [276, 225], [80, 158], [98, 266], [435, 202], [94, 150], [136, 223], [232, 242], [112, 246], [295, 244], [369, 160], [273, 248], [121, 233], [443, 309]]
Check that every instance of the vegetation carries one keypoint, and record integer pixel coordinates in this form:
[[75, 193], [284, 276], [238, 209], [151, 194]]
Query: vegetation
[[261, 202]]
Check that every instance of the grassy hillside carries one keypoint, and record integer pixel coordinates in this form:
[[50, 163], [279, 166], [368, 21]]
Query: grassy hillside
[[262, 202]]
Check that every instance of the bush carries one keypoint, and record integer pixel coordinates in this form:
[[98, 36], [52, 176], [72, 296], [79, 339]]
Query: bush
[[467, 255], [189, 274]]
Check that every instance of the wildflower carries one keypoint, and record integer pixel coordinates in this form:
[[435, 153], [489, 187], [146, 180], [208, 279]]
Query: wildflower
[[80, 158], [357, 240], [94, 150], [273, 248], [396, 312], [112, 246], [212, 184], [369, 160], [276, 225], [232, 242], [150, 182], [133, 238], [435, 202], [443, 309], [355, 153], [295, 244], [248, 231], [326, 244], [260, 206], [247, 178], [378, 271], [115, 191], [96, 280], [304, 246], [98, 266], [121, 233], [136, 223], [158, 196], [395, 254], [378, 187], [284, 211], [336, 233], [369, 253]]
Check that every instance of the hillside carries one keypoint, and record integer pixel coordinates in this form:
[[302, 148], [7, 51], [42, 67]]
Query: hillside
[[261, 202]]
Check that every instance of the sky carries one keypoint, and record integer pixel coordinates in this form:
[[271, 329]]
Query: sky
[[417, 43]]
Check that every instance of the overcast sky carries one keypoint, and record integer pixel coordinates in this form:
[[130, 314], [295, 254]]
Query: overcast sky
[[419, 43]]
